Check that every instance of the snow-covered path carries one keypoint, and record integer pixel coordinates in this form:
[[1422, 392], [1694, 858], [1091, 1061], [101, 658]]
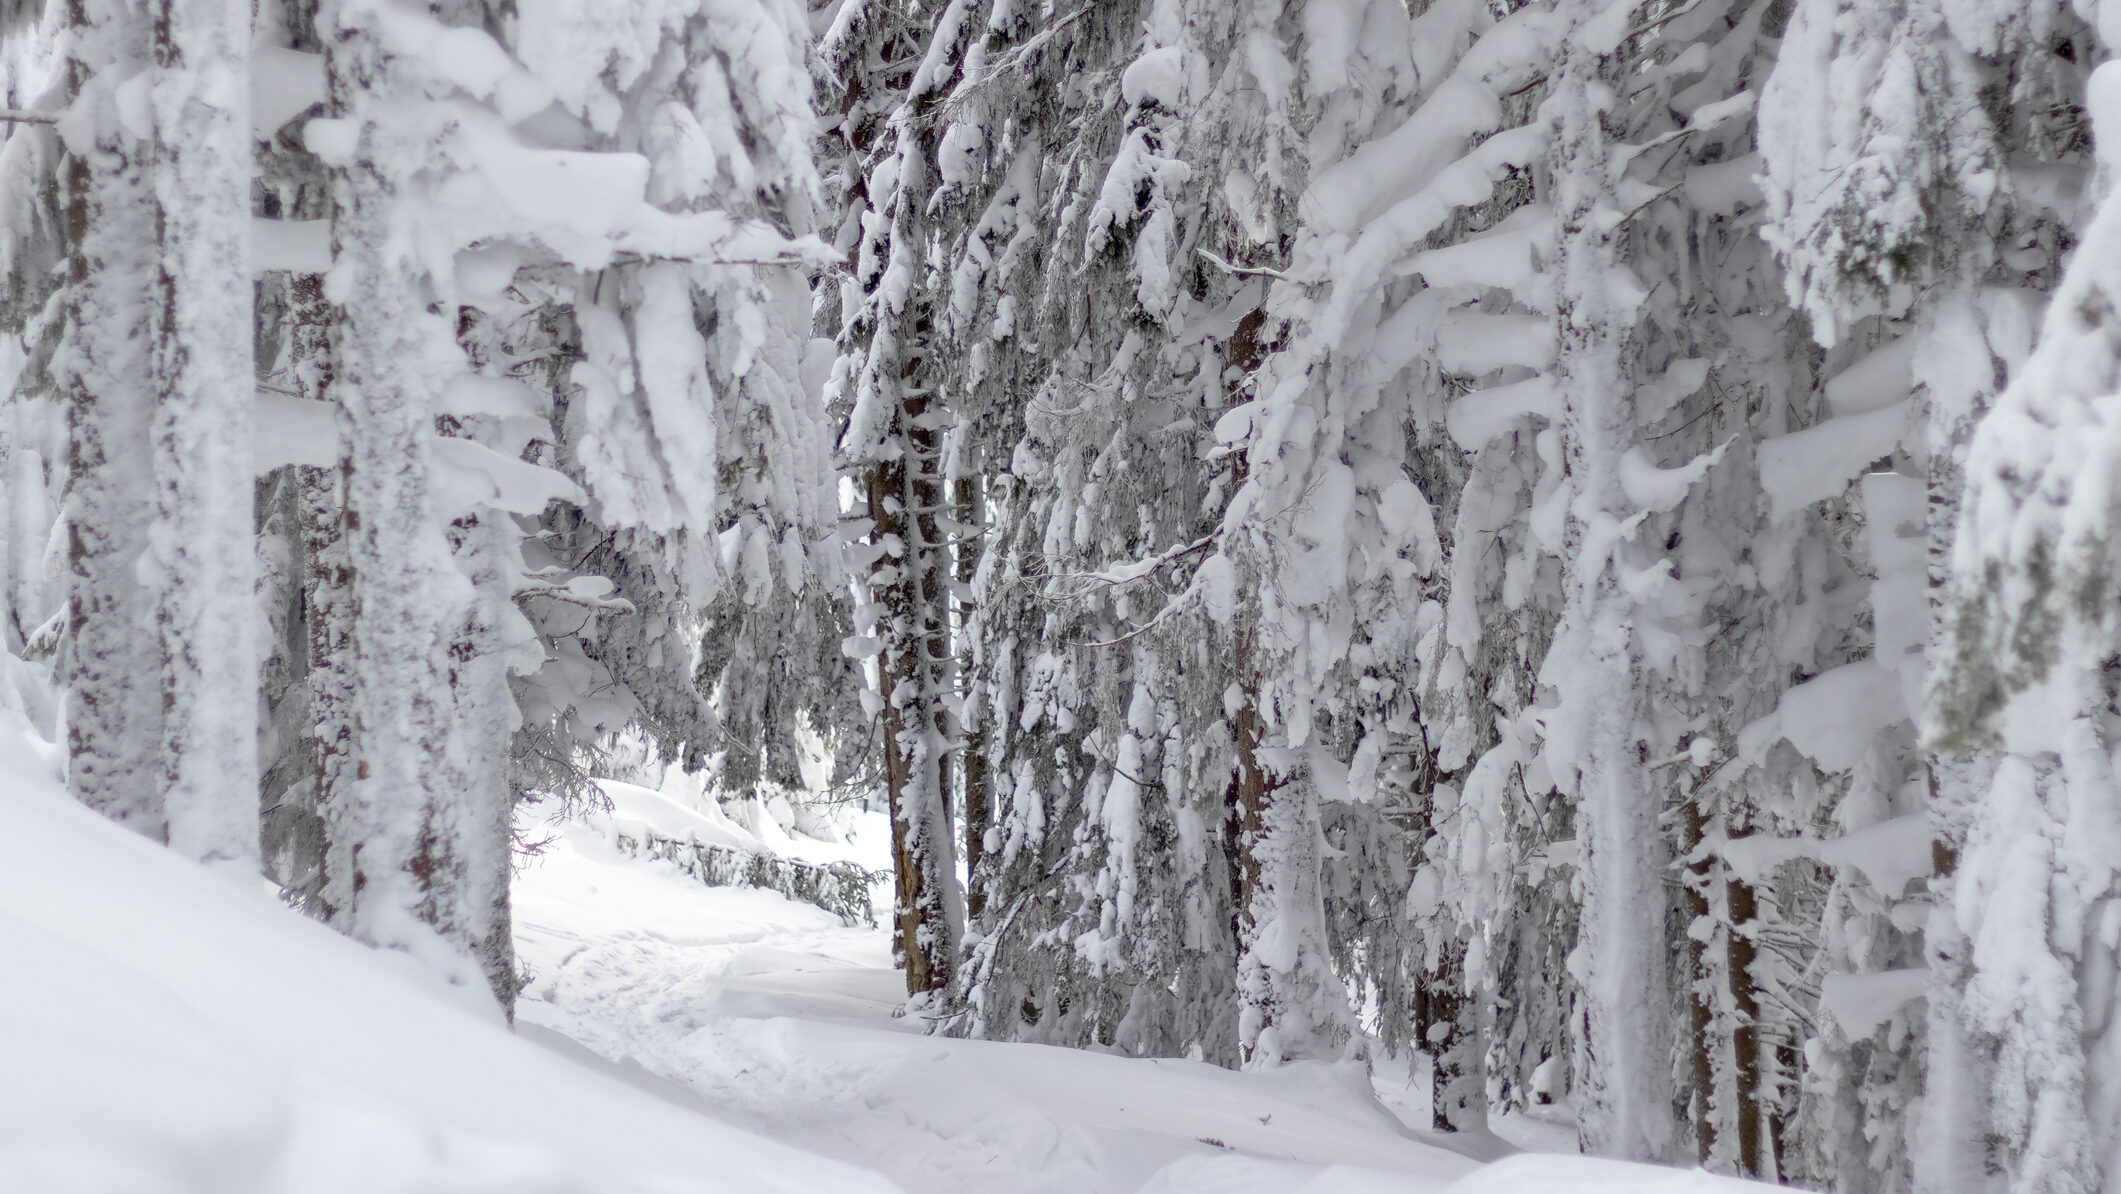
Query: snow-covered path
[[771, 1015]]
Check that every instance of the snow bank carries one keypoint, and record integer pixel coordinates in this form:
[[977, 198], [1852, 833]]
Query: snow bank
[[167, 1031]]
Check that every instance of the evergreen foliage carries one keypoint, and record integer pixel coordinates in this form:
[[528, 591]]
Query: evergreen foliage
[[1574, 538]]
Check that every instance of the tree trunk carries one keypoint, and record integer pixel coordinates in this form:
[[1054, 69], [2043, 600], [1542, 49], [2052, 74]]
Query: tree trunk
[[1458, 1080], [1701, 1009], [409, 851], [296, 813], [481, 816], [1251, 791], [1626, 1078], [926, 922], [202, 539], [309, 713], [971, 518], [1291, 1006], [112, 659], [327, 604], [1743, 910]]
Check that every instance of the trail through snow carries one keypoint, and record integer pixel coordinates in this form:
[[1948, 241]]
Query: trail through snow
[[773, 1016]]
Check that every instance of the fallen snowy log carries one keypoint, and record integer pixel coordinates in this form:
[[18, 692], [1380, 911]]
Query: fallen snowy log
[[840, 888]]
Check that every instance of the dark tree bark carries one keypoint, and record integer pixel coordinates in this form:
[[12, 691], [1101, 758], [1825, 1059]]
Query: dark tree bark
[[971, 518]]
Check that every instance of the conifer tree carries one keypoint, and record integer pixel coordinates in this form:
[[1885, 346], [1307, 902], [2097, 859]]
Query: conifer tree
[[896, 419], [1919, 223]]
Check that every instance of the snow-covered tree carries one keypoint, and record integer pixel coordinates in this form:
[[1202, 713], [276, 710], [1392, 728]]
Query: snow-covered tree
[[1919, 164], [2025, 640], [564, 252], [1563, 535], [111, 662], [34, 306], [201, 553], [1084, 833], [892, 443]]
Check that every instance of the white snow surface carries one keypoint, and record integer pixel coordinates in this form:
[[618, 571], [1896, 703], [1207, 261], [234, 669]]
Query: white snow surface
[[778, 1017], [169, 1031], [1534, 1173], [773, 1015]]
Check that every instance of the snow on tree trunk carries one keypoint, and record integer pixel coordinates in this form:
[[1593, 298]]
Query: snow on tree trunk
[[328, 604], [201, 543], [909, 583], [478, 823], [1625, 1075], [1458, 1094], [970, 516], [112, 661], [1290, 1004], [301, 552], [399, 873]]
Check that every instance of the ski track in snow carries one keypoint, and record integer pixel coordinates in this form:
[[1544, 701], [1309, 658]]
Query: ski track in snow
[[773, 1016]]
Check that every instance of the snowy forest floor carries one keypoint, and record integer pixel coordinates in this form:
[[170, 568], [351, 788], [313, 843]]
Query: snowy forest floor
[[171, 1031], [773, 1015]]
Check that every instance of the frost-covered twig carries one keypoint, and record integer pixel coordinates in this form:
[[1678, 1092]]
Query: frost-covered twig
[[563, 594], [1126, 574], [758, 262], [1247, 271]]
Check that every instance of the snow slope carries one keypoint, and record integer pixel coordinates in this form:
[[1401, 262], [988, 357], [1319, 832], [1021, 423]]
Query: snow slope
[[167, 1031]]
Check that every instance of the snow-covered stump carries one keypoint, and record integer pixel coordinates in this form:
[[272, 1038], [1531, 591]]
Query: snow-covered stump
[[840, 888]]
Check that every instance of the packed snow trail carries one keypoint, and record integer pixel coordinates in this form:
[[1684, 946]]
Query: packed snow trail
[[772, 1015]]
